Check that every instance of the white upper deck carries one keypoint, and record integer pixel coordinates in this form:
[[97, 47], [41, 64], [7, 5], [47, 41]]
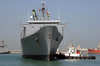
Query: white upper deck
[[43, 21]]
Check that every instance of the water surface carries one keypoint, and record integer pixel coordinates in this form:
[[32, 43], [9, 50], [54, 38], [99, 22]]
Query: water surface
[[17, 60]]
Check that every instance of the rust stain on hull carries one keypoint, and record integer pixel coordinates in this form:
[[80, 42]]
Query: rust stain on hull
[[49, 57], [49, 37], [32, 53], [40, 45]]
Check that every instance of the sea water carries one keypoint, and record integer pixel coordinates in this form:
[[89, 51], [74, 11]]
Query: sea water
[[17, 60]]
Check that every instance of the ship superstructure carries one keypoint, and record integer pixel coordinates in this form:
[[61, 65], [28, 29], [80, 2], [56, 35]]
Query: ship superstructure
[[40, 38]]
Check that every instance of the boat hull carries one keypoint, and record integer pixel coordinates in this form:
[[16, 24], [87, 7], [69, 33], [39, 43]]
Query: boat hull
[[41, 45], [92, 51], [8, 52], [4, 50]]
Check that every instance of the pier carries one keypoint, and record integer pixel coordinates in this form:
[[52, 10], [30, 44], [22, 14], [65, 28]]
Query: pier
[[15, 51]]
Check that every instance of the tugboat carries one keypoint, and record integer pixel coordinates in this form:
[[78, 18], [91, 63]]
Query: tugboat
[[72, 51], [40, 38], [3, 48]]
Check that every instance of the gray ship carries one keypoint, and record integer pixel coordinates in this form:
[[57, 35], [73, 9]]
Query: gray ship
[[40, 38], [4, 48]]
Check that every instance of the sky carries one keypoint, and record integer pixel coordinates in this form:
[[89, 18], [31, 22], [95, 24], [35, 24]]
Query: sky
[[82, 16]]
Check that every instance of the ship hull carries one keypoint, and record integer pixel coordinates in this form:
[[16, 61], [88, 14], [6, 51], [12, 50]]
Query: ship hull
[[92, 51], [41, 45], [8, 52]]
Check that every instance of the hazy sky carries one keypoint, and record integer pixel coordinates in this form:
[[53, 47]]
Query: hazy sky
[[82, 16]]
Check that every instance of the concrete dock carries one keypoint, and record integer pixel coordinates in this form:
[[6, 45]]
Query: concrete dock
[[15, 51]]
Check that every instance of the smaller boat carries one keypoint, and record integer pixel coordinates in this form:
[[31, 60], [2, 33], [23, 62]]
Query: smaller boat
[[94, 51], [3, 48], [72, 51]]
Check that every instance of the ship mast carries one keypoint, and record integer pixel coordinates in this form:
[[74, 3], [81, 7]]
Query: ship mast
[[98, 44], [71, 42], [43, 10]]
